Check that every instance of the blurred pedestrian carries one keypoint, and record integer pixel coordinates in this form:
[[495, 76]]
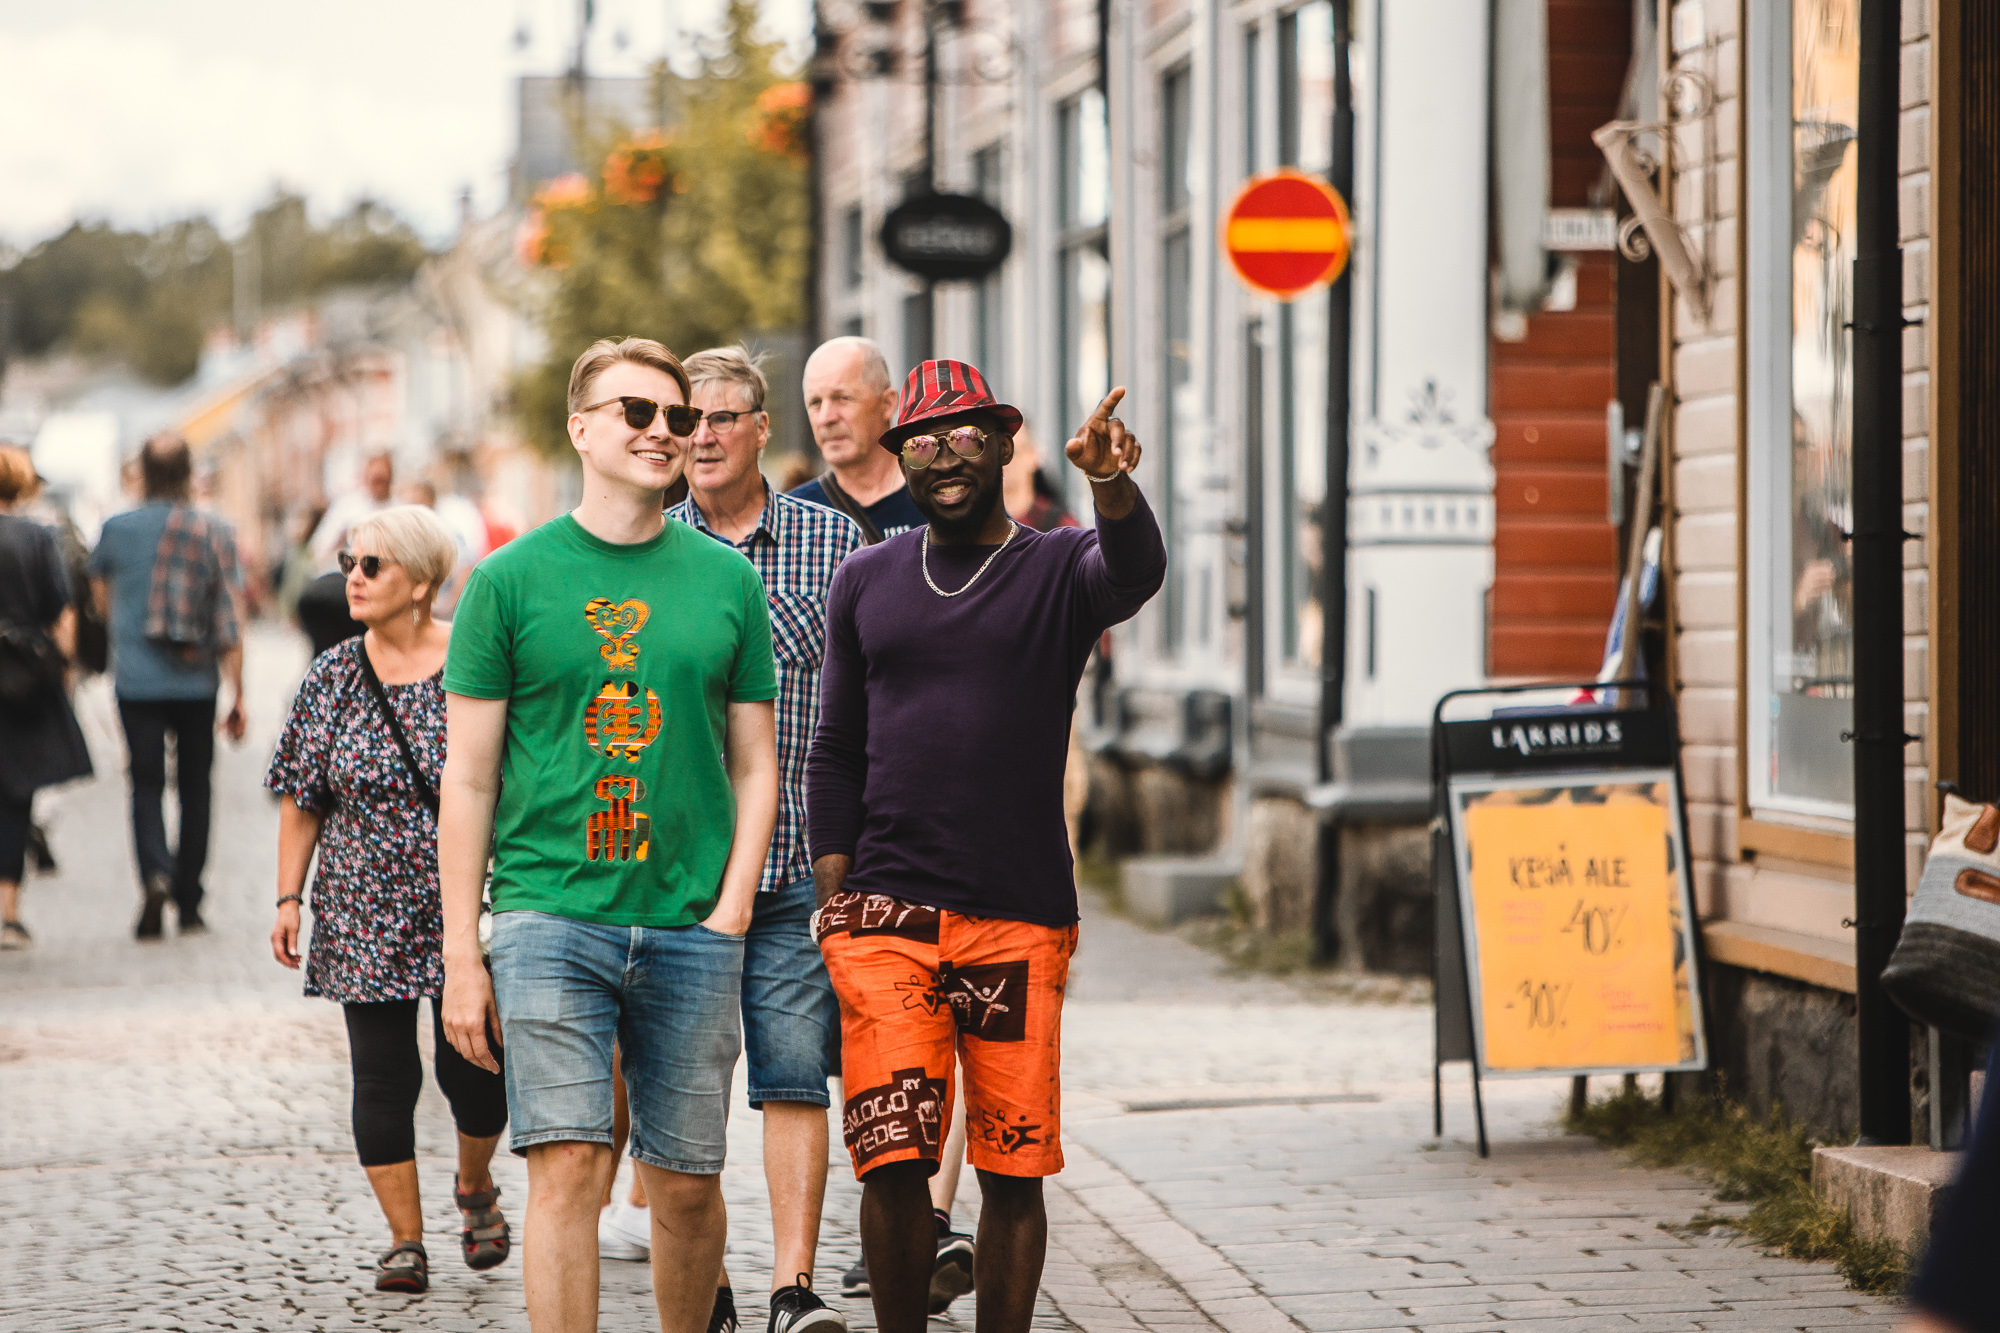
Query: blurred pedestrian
[[1032, 498], [986, 627], [40, 743], [168, 574], [375, 493], [850, 402], [360, 758], [791, 1021], [609, 689]]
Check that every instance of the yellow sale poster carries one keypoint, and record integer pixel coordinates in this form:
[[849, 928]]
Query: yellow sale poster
[[1576, 925]]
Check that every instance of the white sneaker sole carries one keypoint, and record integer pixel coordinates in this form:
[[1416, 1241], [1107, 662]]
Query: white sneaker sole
[[818, 1321]]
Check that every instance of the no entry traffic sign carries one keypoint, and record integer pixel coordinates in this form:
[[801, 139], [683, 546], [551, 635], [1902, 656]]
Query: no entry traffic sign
[[1287, 233]]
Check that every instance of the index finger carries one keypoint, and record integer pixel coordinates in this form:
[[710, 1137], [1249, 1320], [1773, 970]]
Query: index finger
[[1105, 408]]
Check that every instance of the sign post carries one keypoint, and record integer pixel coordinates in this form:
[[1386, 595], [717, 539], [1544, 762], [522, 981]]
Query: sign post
[[1287, 233], [1565, 914]]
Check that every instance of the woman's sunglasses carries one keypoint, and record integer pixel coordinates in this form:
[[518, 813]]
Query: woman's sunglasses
[[682, 420], [369, 565], [920, 451]]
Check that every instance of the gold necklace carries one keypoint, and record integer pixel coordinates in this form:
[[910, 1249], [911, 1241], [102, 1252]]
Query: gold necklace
[[925, 560]]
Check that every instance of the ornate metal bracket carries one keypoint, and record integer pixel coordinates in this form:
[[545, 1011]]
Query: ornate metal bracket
[[1690, 99]]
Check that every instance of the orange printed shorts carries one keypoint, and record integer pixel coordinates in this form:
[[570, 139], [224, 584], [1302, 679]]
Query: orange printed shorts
[[919, 986]]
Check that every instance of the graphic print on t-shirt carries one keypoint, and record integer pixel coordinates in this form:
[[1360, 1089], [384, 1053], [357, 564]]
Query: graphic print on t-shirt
[[619, 722], [618, 622], [620, 833]]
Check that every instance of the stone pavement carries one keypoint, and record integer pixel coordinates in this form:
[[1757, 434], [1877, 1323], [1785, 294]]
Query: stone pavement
[[1243, 1154]]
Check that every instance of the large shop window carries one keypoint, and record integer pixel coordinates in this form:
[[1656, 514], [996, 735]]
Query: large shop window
[[1804, 63], [1305, 142]]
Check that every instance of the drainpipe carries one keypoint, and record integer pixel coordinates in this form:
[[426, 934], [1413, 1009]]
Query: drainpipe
[[1877, 560], [1339, 340]]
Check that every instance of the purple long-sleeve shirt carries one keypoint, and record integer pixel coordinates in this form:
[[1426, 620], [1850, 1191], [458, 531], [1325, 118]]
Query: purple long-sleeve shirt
[[944, 721]]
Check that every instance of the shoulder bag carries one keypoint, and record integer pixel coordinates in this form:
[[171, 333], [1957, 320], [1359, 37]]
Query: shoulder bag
[[1945, 970], [425, 791], [845, 503]]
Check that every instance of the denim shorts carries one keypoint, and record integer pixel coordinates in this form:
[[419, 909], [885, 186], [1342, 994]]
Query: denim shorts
[[791, 1021], [568, 989]]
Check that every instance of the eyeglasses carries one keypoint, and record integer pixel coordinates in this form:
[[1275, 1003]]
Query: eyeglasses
[[682, 420], [920, 451], [370, 565], [722, 421]]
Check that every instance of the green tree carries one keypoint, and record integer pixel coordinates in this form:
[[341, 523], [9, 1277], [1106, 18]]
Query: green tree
[[697, 237], [148, 299]]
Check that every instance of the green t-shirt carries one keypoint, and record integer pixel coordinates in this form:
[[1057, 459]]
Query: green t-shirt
[[617, 664]]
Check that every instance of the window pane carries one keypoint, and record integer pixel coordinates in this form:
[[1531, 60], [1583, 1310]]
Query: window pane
[[1177, 252], [1176, 118], [1312, 49], [1083, 156], [1302, 328], [1085, 352], [851, 247], [916, 330], [1252, 85], [1811, 660]]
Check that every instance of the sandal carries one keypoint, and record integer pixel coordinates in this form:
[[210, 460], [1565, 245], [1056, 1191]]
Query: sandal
[[405, 1268], [486, 1239]]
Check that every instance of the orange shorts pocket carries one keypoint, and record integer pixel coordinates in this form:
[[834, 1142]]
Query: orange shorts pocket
[[924, 993]]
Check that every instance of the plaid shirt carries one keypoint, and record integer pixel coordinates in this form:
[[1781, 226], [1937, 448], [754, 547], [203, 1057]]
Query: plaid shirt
[[190, 606], [795, 546]]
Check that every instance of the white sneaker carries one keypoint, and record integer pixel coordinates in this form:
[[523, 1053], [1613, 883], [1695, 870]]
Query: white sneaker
[[625, 1232]]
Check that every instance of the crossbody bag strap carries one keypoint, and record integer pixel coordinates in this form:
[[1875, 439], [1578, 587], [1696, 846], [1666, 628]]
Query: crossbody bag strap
[[426, 792], [870, 534]]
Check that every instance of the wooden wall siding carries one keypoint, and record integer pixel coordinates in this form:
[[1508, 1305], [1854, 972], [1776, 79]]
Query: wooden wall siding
[[1555, 556]]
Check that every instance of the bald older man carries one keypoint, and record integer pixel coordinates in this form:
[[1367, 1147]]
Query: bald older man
[[850, 402]]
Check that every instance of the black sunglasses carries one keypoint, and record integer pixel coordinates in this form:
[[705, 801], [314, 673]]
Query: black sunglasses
[[371, 565], [682, 420]]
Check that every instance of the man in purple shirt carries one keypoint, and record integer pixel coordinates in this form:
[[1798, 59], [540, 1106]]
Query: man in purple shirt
[[947, 897]]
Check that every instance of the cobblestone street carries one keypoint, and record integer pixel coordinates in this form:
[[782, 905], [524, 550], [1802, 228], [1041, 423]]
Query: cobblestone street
[[1243, 1154]]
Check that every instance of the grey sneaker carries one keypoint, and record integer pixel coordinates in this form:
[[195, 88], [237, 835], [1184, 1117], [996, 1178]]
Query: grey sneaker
[[854, 1282], [951, 1271], [14, 937], [795, 1309]]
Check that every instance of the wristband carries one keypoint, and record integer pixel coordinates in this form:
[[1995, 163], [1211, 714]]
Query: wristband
[[291, 898], [1103, 481]]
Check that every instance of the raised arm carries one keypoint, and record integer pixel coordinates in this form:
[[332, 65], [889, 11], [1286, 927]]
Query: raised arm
[[751, 748], [475, 733], [1130, 562]]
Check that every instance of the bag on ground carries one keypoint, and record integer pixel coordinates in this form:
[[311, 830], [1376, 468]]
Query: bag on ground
[[1946, 967]]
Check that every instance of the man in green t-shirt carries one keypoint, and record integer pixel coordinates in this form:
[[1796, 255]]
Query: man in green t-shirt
[[610, 738]]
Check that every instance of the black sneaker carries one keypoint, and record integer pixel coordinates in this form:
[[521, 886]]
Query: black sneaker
[[157, 887], [191, 924], [722, 1319], [796, 1310], [951, 1271]]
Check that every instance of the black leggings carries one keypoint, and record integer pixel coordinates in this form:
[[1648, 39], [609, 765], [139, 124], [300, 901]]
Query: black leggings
[[15, 818], [388, 1076]]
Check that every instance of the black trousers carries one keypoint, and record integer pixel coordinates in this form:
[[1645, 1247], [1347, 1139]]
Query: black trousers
[[389, 1075], [192, 722], [14, 822]]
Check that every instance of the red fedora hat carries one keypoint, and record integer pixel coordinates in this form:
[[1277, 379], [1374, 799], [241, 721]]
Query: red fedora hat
[[938, 391]]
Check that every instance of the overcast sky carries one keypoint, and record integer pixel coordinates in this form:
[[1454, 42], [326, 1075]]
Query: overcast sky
[[144, 110]]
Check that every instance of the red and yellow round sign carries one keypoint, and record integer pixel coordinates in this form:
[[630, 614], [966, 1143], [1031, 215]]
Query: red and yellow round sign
[[1287, 233]]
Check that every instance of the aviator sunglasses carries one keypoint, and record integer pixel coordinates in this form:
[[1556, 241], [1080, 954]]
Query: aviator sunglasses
[[920, 451], [682, 420], [371, 565]]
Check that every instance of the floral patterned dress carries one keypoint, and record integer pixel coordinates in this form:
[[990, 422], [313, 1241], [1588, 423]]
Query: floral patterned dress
[[378, 927]]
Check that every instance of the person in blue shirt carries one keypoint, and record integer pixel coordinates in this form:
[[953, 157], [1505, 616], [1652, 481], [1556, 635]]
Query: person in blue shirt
[[162, 689], [850, 402]]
